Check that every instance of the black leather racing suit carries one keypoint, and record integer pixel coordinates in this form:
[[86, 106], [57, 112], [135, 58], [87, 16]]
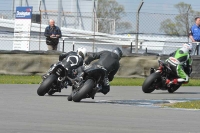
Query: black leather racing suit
[[107, 59], [74, 60]]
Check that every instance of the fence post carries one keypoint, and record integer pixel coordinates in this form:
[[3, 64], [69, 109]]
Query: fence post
[[13, 9], [63, 44], [187, 24], [146, 49], [59, 13], [40, 24], [137, 27], [73, 45], [131, 46], [63, 47]]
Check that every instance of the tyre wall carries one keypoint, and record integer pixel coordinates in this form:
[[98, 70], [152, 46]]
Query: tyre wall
[[37, 63]]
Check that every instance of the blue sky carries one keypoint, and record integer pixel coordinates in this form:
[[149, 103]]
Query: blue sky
[[5, 4], [152, 6], [157, 6]]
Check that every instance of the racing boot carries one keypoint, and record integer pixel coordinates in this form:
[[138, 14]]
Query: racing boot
[[98, 88], [106, 86], [169, 82]]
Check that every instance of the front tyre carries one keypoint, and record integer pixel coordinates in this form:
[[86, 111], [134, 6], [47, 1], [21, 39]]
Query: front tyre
[[150, 82], [87, 87], [46, 84], [51, 92]]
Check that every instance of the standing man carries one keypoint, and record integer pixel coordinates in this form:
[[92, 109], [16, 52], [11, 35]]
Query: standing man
[[52, 34], [194, 33]]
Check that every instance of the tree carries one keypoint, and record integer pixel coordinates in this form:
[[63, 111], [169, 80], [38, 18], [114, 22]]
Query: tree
[[182, 22], [109, 14]]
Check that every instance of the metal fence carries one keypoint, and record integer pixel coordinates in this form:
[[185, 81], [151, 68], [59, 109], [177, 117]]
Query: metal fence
[[84, 30]]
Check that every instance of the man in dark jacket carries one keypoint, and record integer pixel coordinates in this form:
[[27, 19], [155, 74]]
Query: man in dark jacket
[[110, 61], [52, 34]]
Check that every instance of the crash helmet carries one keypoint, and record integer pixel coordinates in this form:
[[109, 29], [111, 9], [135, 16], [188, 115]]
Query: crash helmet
[[187, 47], [118, 51], [82, 52]]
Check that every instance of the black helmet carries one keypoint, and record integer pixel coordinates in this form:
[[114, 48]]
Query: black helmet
[[118, 51], [62, 56]]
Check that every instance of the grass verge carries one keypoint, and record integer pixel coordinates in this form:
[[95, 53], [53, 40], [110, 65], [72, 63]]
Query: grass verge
[[14, 79], [185, 105]]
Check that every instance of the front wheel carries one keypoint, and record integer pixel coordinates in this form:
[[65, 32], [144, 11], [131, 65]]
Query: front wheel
[[46, 84], [51, 92], [150, 82], [87, 87]]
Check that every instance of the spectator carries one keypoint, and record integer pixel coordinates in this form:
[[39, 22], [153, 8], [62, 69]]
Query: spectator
[[194, 33], [52, 34]]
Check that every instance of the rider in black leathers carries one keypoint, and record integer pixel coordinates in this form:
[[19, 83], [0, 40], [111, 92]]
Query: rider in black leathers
[[75, 60], [110, 61]]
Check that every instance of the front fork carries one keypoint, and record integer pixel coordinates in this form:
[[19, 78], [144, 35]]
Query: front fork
[[152, 70]]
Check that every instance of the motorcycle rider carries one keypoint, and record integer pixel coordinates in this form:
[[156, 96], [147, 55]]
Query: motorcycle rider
[[75, 60], [181, 63], [110, 61]]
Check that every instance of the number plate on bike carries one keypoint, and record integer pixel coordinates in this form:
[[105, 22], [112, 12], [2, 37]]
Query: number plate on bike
[[174, 60]]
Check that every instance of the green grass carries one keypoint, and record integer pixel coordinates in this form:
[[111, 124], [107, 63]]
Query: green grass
[[186, 105], [13, 79]]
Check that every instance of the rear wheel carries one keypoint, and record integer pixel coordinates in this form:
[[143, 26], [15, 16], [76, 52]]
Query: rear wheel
[[150, 82], [82, 93], [46, 84], [173, 89]]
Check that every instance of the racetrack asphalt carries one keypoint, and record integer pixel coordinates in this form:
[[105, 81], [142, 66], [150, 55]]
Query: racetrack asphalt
[[23, 111]]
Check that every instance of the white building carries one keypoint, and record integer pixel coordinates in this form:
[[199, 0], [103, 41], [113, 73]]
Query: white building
[[77, 14]]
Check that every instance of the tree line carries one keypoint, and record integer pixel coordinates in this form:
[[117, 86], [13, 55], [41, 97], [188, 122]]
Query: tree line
[[109, 10]]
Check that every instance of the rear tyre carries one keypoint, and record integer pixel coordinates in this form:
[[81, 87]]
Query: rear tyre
[[46, 84], [69, 98], [173, 89], [87, 87], [148, 85]]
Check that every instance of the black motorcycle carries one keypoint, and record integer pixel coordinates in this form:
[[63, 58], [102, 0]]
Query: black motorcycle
[[92, 80], [157, 79], [56, 80]]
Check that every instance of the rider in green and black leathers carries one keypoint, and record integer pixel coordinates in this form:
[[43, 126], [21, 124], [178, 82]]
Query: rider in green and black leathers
[[181, 63]]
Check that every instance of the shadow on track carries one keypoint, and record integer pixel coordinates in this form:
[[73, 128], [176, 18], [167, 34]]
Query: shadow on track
[[177, 93], [57, 95]]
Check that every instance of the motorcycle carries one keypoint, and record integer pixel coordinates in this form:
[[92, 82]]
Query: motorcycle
[[157, 79], [91, 83], [56, 80]]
